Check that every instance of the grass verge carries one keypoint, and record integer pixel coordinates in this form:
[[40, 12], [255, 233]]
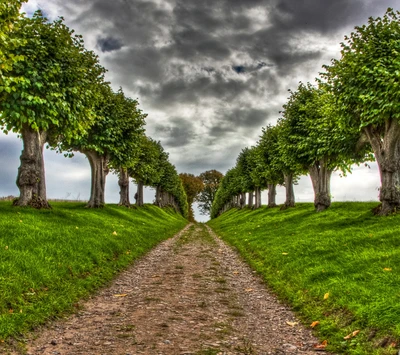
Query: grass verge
[[49, 259], [340, 267]]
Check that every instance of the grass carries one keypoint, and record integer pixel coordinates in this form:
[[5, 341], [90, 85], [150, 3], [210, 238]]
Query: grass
[[340, 267], [49, 259]]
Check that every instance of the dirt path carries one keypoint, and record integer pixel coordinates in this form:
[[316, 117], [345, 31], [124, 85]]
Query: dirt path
[[189, 295]]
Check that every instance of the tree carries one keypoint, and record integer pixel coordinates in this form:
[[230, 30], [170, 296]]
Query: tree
[[316, 142], [112, 141], [365, 82], [9, 16], [211, 180], [193, 186], [284, 161], [46, 95], [147, 171], [267, 150]]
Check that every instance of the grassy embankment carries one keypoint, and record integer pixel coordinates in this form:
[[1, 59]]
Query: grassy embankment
[[340, 267], [49, 259]]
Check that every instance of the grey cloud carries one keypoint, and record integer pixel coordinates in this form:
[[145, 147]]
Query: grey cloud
[[178, 132], [108, 44]]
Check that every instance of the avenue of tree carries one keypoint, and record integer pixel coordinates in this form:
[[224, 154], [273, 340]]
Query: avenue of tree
[[52, 91], [351, 116]]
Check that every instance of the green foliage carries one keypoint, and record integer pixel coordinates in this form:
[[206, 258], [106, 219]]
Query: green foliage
[[51, 258], [312, 132], [50, 85], [344, 251], [147, 168], [117, 130], [193, 186], [366, 78], [229, 187], [211, 180], [267, 151]]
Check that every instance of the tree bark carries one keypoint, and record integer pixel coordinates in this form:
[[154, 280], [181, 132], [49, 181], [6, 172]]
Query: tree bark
[[288, 178], [271, 195], [157, 201], [385, 143], [99, 168], [31, 179], [242, 199], [258, 197], [123, 183], [139, 194], [321, 180], [251, 199]]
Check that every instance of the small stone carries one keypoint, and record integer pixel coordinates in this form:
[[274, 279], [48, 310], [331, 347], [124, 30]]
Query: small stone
[[53, 342], [167, 341]]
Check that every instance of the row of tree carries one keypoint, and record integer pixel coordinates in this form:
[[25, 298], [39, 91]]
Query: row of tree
[[53, 91], [351, 116]]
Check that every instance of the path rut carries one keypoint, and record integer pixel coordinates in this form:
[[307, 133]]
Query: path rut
[[190, 295]]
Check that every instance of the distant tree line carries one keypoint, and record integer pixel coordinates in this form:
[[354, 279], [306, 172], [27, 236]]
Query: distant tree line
[[350, 116], [201, 189], [53, 91]]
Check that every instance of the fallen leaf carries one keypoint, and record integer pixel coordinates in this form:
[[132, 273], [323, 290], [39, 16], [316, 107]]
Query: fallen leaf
[[323, 345], [387, 269], [121, 295], [114, 233], [393, 345], [314, 324], [326, 296], [285, 253], [351, 335], [248, 289], [6, 247], [10, 311], [292, 324]]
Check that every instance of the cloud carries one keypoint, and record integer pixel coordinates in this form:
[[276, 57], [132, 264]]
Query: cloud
[[109, 44]]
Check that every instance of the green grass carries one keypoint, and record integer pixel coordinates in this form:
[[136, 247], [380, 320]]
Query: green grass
[[344, 251], [49, 259]]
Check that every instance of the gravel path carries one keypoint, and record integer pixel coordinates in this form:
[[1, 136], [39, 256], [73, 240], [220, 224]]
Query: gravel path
[[190, 295]]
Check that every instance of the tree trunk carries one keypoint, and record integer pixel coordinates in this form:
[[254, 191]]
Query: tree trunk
[[242, 199], [288, 178], [271, 195], [99, 168], [386, 148], [31, 179], [251, 199], [321, 180], [157, 201], [258, 197], [123, 183], [139, 194]]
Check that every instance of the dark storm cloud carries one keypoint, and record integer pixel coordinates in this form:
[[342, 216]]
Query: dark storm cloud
[[239, 118], [178, 132], [108, 44]]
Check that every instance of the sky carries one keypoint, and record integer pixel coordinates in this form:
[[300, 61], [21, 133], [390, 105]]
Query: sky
[[209, 74]]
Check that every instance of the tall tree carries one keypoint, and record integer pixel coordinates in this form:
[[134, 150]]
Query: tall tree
[[365, 82], [284, 161], [147, 171], [268, 165], [193, 186], [112, 141], [211, 180], [46, 94], [316, 141]]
